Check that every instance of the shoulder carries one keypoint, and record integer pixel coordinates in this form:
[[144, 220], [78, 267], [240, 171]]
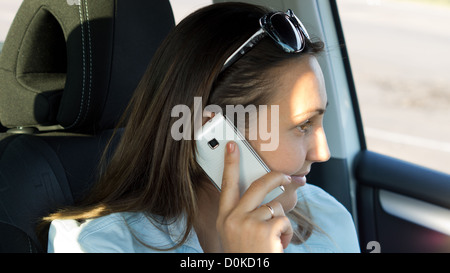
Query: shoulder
[[310, 191], [333, 219], [322, 205], [318, 199], [95, 235]]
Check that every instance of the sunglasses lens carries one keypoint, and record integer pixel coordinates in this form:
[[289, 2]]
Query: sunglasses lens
[[286, 32], [284, 28]]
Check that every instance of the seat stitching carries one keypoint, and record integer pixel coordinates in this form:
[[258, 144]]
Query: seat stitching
[[90, 55], [84, 67]]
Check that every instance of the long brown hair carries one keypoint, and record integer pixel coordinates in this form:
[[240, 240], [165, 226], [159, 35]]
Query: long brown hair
[[150, 171]]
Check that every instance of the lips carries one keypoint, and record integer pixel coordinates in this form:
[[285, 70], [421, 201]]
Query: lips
[[299, 180]]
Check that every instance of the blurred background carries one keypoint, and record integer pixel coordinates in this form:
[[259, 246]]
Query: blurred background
[[399, 54]]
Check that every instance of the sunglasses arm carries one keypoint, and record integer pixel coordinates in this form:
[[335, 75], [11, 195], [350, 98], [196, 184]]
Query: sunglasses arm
[[244, 48]]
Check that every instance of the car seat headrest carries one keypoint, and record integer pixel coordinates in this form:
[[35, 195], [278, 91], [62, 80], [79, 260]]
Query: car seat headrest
[[75, 64]]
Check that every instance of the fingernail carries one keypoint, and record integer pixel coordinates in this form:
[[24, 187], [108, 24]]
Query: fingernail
[[289, 178], [230, 147]]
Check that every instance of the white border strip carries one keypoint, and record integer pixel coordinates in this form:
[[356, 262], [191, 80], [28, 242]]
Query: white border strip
[[416, 211]]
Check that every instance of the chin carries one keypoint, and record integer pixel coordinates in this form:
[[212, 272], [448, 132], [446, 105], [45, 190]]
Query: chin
[[288, 200]]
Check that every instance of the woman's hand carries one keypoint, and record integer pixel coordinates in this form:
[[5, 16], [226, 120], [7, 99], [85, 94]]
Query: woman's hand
[[244, 225]]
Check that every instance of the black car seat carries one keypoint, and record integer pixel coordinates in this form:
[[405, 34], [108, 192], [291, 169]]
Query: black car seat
[[67, 72]]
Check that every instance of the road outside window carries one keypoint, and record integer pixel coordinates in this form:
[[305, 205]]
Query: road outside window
[[398, 51]]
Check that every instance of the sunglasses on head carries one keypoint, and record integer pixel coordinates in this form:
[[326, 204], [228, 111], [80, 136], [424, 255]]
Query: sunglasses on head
[[283, 27]]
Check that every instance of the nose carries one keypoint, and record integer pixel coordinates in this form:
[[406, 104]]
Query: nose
[[319, 151]]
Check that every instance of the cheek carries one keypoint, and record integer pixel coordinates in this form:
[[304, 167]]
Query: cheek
[[288, 158]]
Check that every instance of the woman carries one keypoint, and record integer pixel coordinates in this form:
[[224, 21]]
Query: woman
[[153, 196]]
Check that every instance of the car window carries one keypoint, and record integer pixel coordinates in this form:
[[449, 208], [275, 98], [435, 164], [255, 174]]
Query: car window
[[398, 51], [182, 8], [8, 10]]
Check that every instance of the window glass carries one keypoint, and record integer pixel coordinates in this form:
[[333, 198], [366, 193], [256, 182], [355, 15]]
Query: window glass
[[8, 10], [399, 54], [182, 8]]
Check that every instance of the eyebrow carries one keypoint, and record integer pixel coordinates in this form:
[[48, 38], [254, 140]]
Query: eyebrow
[[318, 111]]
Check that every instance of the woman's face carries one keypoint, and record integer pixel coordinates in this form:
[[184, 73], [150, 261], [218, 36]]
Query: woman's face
[[302, 99]]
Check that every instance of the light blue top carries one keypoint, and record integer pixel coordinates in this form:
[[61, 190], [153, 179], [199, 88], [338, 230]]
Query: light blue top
[[124, 232]]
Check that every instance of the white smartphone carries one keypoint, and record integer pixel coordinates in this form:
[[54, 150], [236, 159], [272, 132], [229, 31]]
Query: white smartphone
[[211, 142]]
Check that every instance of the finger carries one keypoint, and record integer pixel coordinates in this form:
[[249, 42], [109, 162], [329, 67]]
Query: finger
[[264, 213], [258, 190], [283, 228], [229, 195]]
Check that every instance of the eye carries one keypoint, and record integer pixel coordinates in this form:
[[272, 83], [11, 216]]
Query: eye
[[305, 126]]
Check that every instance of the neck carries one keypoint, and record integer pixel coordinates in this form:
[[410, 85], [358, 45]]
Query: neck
[[205, 223]]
